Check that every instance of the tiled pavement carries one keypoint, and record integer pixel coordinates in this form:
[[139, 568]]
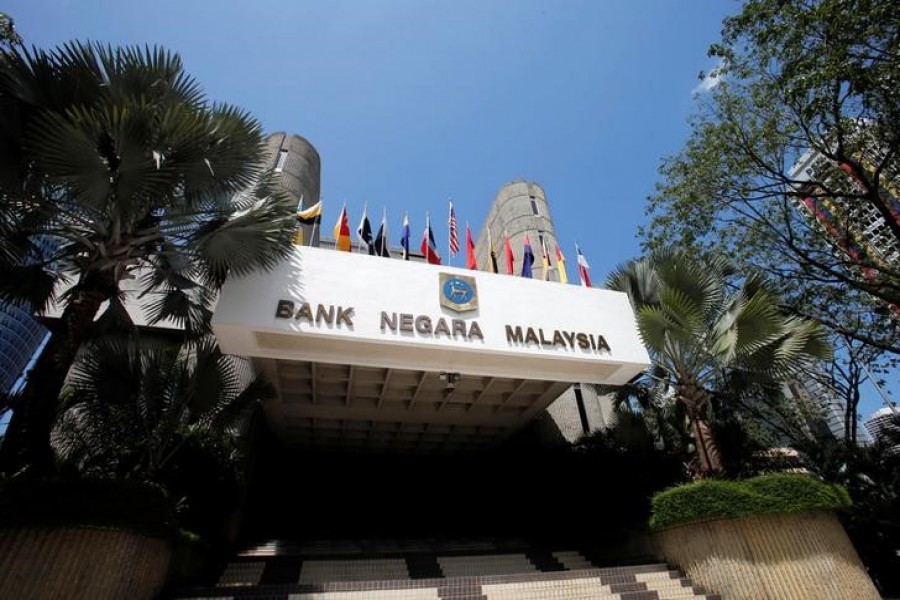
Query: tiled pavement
[[442, 572]]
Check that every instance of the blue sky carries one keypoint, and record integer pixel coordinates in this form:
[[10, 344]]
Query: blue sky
[[412, 101]]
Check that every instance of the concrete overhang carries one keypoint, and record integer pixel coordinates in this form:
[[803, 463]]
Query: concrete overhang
[[371, 351]]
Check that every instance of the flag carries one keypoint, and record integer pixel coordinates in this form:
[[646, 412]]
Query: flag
[[545, 257], [492, 267], [311, 215], [428, 247], [583, 268], [454, 234], [381, 240], [404, 238], [509, 254], [342, 231], [364, 231], [470, 250], [561, 265], [527, 258]]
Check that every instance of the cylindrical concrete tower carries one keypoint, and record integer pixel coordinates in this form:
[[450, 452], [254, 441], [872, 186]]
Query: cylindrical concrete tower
[[299, 168], [519, 208]]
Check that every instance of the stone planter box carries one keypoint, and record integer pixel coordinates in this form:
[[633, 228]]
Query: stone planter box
[[802, 556], [81, 562]]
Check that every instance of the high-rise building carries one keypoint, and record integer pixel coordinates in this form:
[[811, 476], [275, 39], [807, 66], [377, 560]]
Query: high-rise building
[[856, 228], [882, 421], [20, 337]]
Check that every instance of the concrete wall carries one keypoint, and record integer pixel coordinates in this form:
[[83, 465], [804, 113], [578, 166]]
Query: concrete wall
[[73, 563], [512, 213], [300, 174], [804, 556]]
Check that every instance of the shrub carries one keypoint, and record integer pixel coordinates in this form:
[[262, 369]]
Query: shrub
[[767, 494]]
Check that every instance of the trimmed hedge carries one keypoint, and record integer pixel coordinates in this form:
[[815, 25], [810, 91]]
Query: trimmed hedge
[[766, 494], [102, 502]]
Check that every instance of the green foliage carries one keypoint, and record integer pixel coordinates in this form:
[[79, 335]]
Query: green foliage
[[816, 75], [9, 37], [704, 327], [766, 494], [106, 503], [115, 166], [132, 409]]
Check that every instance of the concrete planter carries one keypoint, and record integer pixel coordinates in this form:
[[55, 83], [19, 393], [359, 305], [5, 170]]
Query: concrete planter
[[802, 556], [81, 562]]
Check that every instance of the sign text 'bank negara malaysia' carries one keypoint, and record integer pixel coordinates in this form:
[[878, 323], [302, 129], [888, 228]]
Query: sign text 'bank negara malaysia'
[[322, 315]]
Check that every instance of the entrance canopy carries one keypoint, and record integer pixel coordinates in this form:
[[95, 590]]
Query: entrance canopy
[[368, 350]]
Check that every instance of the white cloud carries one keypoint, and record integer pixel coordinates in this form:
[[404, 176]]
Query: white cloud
[[712, 78]]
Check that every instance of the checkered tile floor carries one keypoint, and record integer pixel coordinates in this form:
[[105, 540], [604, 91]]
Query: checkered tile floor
[[420, 571]]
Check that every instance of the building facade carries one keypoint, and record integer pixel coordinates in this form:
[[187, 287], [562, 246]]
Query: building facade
[[20, 337], [882, 421], [368, 352]]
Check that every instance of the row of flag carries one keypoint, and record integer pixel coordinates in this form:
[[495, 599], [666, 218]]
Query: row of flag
[[377, 244]]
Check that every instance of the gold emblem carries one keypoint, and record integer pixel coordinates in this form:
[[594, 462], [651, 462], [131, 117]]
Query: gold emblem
[[459, 293]]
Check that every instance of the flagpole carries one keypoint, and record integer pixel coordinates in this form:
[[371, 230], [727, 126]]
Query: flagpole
[[312, 236], [449, 213]]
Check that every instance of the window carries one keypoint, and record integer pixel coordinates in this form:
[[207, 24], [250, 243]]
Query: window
[[282, 157], [534, 206]]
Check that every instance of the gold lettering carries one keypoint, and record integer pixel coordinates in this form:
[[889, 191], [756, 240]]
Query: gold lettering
[[423, 324], [304, 312], [345, 316], [324, 315], [459, 328], [513, 335], [601, 344], [544, 341], [389, 322], [284, 310], [441, 327]]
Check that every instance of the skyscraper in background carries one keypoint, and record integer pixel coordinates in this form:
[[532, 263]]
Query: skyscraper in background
[[856, 228], [20, 337], [882, 421]]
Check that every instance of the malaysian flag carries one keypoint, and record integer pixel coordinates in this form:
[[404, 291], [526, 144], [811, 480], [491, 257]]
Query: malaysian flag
[[454, 234]]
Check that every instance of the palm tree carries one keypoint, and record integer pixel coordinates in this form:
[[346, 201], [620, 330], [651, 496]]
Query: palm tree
[[129, 407], [115, 166], [701, 331]]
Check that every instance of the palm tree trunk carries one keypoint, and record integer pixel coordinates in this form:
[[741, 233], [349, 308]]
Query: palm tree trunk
[[707, 449], [27, 440], [695, 399]]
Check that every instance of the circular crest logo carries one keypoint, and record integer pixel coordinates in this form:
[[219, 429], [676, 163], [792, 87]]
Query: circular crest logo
[[458, 291]]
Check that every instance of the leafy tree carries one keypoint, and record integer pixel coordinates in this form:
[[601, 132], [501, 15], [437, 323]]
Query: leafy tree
[[129, 408], [116, 167], [161, 414], [871, 474], [814, 78], [702, 335], [9, 37]]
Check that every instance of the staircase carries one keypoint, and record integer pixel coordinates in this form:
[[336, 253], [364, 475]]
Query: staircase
[[432, 570]]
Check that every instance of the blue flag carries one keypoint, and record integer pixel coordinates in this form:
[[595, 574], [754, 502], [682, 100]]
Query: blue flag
[[527, 259], [404, 239]]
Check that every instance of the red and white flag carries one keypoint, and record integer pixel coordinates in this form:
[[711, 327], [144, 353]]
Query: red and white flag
[[583, 267], [454, 234]]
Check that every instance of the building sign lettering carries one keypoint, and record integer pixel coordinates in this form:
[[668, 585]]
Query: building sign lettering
[[333, 316]]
